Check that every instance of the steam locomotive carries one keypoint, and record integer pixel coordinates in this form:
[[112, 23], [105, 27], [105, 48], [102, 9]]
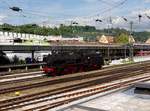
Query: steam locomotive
[[70, 62]]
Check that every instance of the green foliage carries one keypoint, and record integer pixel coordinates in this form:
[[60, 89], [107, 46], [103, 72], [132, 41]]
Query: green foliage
[[122, 38], [142, 36], [127, 61], [15, 60], [88, 32]]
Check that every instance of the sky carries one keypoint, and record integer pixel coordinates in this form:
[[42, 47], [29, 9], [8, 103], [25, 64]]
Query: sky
[[85, 12]]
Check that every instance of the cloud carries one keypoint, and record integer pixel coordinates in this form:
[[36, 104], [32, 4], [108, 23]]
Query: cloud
[[85, 12], [2, 17], [89, 1], [103, 1], [117, 21], [143, 12], [147, 1]]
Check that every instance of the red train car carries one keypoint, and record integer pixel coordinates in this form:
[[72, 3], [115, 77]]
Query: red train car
[[143, 53]]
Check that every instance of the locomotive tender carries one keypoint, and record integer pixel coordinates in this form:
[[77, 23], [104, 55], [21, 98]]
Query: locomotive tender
[[70, 62]]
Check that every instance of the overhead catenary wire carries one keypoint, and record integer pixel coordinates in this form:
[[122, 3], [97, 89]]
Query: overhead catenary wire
[[107, 3], [104, 11], [38, 13], [113, 7], [18, 9], [6, 3], [27, 13]]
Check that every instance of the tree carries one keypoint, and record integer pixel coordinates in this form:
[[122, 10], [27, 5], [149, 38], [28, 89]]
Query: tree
[[88, 32], [122, 38], [15, 59]]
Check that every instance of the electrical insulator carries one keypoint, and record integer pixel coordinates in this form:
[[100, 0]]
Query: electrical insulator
[[140, 16], [17, 9], [98, 20]]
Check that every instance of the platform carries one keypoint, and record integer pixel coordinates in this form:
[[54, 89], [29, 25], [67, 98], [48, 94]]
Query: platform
[[124, 100]]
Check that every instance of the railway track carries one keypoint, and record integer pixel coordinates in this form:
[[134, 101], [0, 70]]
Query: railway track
[[85, 93], [47, 82], [50, 102], [89, 79], [20, 77]]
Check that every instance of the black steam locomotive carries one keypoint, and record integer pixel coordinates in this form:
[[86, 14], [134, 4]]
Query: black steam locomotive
[[70, 62]]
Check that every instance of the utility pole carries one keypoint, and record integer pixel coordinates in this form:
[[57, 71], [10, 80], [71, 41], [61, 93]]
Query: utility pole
[[131, 27], [109, 25], [130, 42], [109, 28]]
